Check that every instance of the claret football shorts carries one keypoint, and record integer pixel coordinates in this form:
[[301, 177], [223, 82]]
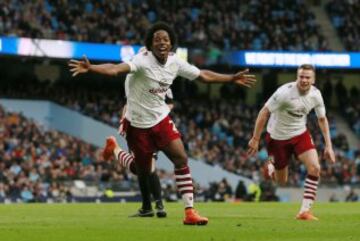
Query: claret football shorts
[[281, 150]]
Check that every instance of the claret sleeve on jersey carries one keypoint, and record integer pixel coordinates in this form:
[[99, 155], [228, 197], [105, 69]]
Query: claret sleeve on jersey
[[320, 107], [275, 101], [187, 70]]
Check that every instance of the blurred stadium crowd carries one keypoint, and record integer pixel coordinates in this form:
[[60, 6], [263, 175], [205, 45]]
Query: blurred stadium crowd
[[345, 18], [35, 163], [39, 165], [282, 25], [215, 131]]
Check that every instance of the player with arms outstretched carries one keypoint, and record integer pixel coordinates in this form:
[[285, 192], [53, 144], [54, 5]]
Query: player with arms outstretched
[[287, 134], [147, 124]]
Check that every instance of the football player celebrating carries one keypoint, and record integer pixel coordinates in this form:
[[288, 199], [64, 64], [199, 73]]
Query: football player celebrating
[[286, 133]]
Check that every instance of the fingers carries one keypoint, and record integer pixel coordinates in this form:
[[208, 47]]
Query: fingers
[[75, 71], [251, 151], [330, 156], [243, 72], [86, 60], [245, 79], [249, 76], [250, 80], [74, 67], [246, 76], [253, 146], [70, 64], [74, 61], [246, 82]]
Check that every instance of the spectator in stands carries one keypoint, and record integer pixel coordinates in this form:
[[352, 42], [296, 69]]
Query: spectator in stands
[[217, 138], [220, 25], [352, 196], [344, 16]]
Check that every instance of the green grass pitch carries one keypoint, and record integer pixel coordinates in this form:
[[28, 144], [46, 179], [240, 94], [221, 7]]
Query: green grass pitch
[[227, 221]]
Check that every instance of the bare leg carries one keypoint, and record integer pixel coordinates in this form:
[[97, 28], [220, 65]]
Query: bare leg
[[175, 151], [311, 161], [281, 176]]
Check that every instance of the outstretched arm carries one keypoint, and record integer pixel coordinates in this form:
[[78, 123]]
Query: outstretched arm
[[241, 78], [261, 120], [328, 152], [84, 66]]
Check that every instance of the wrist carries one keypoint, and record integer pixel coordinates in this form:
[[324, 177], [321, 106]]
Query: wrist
[[328, 146], [256, 138]]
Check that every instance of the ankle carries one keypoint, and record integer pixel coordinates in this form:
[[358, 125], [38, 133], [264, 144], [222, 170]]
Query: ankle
[[117, 151]]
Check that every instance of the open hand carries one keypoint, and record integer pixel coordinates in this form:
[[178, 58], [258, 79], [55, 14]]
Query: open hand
[[253, 146], [79, 67], [329, 154], [244, 78]]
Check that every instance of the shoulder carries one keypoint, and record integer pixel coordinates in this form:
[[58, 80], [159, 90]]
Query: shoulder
[[286, 88], [137, 57], [283, 92], [142, 58], [173, 57], [315, 93], [290, 85]]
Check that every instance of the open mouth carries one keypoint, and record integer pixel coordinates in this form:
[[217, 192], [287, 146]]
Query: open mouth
[[304, 85], [162, 49]]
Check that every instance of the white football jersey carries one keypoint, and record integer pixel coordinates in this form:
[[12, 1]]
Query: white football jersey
[[289, 110], [147, 84]]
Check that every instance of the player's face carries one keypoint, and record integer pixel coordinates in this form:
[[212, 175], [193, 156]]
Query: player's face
[[161, 45], [305, 78]]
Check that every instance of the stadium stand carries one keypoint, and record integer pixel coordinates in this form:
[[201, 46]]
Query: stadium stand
[[283, 25], [38, 164], [215, 131], [345, 18]]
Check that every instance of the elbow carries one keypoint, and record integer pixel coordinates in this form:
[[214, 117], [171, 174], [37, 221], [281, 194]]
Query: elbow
[[265, 113], [205, 76], [322, 120]]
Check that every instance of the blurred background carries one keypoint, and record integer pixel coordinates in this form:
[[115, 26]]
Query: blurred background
[[52, 126]]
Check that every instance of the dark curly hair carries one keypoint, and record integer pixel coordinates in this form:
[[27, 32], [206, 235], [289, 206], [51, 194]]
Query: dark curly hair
[[160, 26]]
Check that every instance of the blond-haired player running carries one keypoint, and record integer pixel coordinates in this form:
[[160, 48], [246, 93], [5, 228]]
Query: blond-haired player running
[[286, 134]]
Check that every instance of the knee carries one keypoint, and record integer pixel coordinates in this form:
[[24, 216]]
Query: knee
[[181, 160], [314, 169]]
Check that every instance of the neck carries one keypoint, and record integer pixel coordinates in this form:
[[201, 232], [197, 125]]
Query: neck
[[161, 60], [303, 92]]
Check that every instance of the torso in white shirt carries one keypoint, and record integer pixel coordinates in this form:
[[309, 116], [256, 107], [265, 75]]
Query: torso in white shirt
[[289, 110], [147, 84]]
